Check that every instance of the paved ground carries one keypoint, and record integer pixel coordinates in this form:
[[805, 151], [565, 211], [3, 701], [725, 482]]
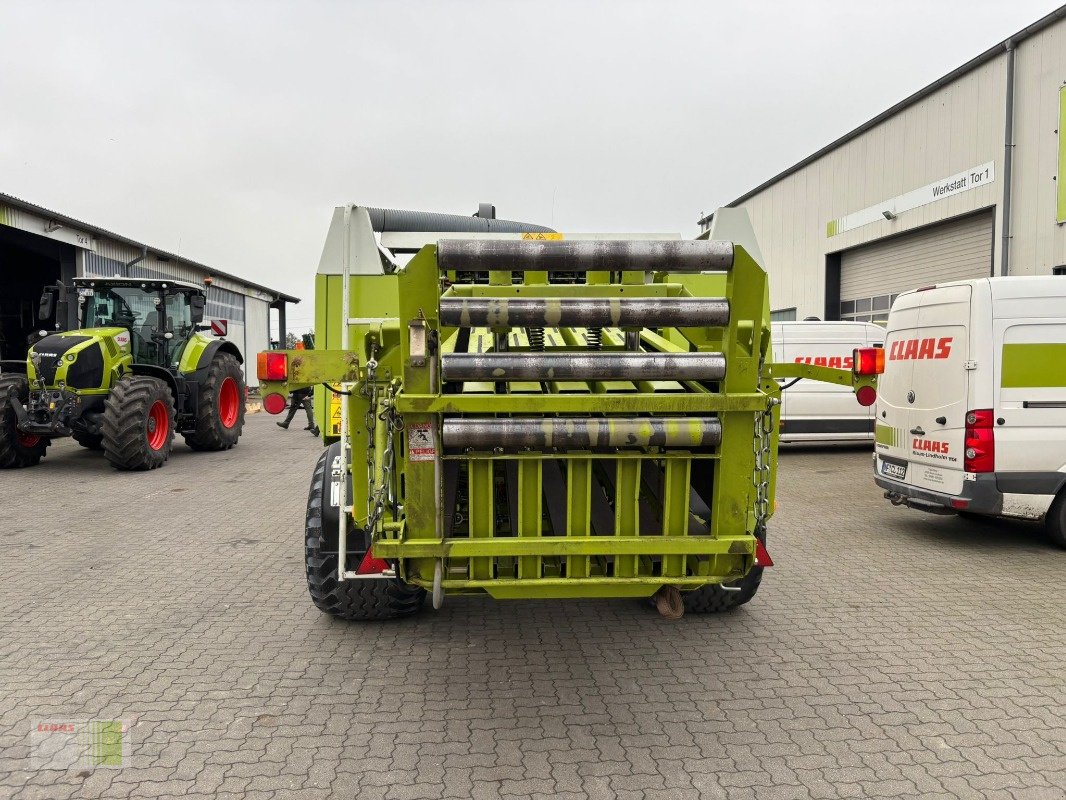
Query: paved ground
[[888, 654]]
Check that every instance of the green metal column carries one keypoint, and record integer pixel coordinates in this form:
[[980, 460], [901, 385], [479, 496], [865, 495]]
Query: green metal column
[[482, 512], [626, 511], [676, 487], [578, 508], [530, 484]]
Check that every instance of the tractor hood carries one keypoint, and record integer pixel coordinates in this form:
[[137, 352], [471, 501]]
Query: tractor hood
[[76, 358]]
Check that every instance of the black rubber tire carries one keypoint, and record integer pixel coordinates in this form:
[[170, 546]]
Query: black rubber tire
[[363, 600], [92, 441], [125, 429], [1055, 521], [713, 599], [15, 453], [210, 433]]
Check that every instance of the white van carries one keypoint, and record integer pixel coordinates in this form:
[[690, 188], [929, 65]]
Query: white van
[[971, 408], [812, 411]]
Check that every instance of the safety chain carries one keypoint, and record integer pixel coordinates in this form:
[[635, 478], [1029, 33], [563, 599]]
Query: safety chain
[[761, 446]]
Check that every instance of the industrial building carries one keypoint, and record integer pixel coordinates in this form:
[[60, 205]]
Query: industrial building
[[965, 178], [39, 247]]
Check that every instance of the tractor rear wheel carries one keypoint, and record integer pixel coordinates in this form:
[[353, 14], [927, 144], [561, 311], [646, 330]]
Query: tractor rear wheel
[[367, 599], [93, 441], [713, 599], [138, 426], [220, 407], [17, 449]]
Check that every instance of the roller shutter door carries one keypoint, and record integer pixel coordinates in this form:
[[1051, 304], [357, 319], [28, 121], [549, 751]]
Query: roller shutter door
[[871, 276]]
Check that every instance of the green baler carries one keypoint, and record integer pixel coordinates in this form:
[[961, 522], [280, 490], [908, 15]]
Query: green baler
[[532, 416]]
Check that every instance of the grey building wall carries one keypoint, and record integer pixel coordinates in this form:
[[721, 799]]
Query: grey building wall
[[956, 127]]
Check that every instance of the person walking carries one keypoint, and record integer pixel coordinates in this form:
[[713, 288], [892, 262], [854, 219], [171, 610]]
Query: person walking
[[301, 398]]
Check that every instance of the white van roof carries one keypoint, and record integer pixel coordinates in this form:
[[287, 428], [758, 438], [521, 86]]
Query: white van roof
[[1012, 286]]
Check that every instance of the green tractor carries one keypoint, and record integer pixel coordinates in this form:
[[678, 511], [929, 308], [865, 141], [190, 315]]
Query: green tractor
[[136, 371]]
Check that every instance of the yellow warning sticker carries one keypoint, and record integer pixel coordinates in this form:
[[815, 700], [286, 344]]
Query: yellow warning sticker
[[334, 414], [542, 237]]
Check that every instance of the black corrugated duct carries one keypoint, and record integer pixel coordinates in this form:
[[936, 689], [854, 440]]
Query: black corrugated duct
[[390, 219]]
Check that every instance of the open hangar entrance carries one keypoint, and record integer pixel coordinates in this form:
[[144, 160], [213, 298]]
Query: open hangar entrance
[[28, 263]]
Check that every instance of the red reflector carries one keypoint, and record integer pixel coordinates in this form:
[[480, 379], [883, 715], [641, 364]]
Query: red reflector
[[961, 505], [979, 451], [868, 360], [272, 366], [274, 403], [372, 566], [762, 556], [867, 395]]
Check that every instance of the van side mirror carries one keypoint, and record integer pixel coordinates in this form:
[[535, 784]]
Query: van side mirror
[[47, 308], [197, 303]]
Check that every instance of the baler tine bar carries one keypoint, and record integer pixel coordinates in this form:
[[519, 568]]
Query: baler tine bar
[[681, 255], [584, 312], [605, 366]]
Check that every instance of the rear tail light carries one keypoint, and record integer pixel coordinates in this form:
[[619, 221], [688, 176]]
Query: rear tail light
[[868, 360], [272, 366], [274, 403], [980, 451], [866, 395]]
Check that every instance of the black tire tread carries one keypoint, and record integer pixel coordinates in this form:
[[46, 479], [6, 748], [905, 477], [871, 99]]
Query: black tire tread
[[362, 600], [12, 454], [713, 599], [92, 441], [125, 416], [209, 434]]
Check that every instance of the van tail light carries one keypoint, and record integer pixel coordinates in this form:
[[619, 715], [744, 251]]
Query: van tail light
[[980, 451], [868, 360], [272, 366]]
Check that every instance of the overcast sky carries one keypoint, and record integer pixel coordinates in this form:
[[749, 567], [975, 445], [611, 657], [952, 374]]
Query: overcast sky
[[227, 132]]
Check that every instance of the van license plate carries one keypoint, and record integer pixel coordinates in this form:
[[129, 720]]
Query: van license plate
[[896, 471]]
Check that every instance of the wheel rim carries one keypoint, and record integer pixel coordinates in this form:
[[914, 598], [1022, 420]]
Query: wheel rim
[[28, 439], [158, 425], [229, 400]]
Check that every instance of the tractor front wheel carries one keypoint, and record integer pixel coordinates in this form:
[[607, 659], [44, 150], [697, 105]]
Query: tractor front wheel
[[17, 449], [138, 427], [220, 407], [365, 599]]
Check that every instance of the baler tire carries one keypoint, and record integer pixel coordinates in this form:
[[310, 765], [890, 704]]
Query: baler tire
[[367, 600], [211, 433], [17, 450], [90, 441], [713, 599], [133, 411]]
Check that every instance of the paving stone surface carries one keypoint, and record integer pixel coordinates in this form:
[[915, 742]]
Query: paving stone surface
[[888, 654]]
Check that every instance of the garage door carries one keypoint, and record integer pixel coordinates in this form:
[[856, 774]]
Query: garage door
[[872, 276]]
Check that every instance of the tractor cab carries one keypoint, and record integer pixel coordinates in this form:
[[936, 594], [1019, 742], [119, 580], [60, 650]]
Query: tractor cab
[[160, 315]]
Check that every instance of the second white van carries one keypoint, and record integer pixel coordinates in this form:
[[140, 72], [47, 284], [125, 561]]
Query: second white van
[[812, 411]]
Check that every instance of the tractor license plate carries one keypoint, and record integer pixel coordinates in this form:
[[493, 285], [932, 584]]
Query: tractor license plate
[[895, 471]]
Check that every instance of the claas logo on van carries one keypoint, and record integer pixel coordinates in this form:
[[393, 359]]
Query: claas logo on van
[[834, 362], [929, 446], [920, 349]]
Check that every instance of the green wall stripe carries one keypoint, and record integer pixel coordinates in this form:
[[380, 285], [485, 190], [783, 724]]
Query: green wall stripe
[[1033, 365]]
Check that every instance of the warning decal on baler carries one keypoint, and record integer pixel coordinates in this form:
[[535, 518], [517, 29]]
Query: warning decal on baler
[[420, 442], [334, 414]]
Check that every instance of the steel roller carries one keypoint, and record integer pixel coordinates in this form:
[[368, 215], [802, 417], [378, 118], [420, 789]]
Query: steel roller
[[583, 312], [579, 433], [675, 255], [571, 366]]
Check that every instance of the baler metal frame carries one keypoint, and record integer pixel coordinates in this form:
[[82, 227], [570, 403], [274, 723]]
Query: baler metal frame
[[396, 377]]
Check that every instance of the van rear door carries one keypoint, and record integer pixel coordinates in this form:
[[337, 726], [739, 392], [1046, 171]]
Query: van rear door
[[924, 392]]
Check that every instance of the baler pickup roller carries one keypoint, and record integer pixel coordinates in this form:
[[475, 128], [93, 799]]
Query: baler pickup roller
[[570, 366], [584, 312], [682, 255], [579, 433]]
